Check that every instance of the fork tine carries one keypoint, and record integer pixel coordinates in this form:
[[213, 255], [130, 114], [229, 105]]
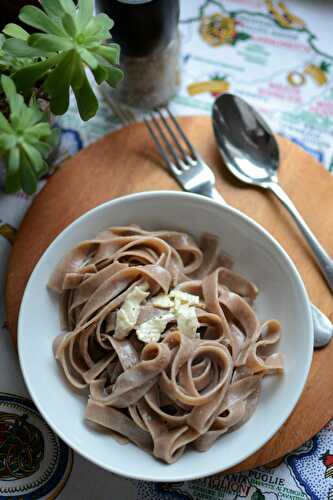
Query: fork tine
[[166, 141], [172, 134], [159, 147], [182, 133]]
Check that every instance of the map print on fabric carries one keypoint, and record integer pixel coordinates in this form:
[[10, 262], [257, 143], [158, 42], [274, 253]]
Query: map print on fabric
[[7, 231], [270, 57], [313, 467]]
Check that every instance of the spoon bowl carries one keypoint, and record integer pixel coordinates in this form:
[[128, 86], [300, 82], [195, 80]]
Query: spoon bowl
[[246, 141]]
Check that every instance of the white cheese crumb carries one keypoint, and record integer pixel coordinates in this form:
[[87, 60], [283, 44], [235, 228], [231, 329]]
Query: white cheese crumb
[[151, 330], [185, 313], [181, 307], [187, 320], [129, 312], [184, 298], [162, 300]]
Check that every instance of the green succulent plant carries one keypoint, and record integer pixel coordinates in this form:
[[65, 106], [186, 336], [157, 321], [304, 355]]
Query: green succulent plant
[[68, 43], [69, 40], [8, 63], [26, 140]]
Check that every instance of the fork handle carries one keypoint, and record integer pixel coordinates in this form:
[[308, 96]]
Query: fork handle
[[324, 261], [215, 195]]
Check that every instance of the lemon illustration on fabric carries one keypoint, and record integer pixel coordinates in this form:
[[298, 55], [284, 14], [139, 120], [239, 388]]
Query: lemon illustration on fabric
[[218, 30], [318, 73], [216, 85], [283, 16], [8, 232]]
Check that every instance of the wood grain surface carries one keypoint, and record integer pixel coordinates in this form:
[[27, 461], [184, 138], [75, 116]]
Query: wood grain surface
[[126, 162]]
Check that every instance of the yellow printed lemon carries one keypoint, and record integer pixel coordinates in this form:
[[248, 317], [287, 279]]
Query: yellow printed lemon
[[318, 73], [215, 87]]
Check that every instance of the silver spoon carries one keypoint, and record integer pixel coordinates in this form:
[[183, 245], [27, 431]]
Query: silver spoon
[[251, 153]]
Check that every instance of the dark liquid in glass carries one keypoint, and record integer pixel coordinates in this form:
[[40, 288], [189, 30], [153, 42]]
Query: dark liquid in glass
[[141, 29]]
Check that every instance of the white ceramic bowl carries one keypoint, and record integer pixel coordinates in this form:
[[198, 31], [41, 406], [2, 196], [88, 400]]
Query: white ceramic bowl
[[257, 255]]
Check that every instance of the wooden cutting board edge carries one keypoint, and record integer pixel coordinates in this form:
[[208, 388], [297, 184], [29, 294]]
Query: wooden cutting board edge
[[26, 251]]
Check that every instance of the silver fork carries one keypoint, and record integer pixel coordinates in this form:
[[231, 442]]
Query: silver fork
[[186, 166], [180, 157]]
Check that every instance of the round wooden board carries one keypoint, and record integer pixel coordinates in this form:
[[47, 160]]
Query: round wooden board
[[127, 162]]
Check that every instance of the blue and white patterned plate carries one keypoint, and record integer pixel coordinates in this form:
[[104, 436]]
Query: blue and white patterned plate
[[34, 462]]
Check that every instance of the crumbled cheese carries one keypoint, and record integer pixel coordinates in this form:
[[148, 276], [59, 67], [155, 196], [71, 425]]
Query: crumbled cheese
[[128, 313], [187, 320], [182, 308], [162, 300], [151, 330], [184, 298]]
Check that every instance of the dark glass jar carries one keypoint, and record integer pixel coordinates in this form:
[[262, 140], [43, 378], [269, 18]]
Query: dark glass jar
[[147, 31], [142, 27]]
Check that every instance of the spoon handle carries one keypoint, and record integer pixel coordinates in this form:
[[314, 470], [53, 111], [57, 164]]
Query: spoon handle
[[322, 328], [324, 261]]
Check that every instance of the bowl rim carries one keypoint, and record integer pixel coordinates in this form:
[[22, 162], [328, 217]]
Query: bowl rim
[[132, 198]]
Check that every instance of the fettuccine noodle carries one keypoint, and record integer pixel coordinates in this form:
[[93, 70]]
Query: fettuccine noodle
[[162, 336]]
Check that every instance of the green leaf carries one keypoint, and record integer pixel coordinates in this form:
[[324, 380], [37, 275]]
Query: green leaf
[[36, 115], [12, 182], [26, 78], [104, 21], [28, 176], [24, 117], [100, 74], [13, 161], [115, 75], [17, 108], [34, 157], [58, 83], [43, 169], [109, 52], [5, 125], [19, 48], [242, 36], [86, 12], [88, 58], [15, 100], [53, 8], [9, 89], [39, 130], [44, 148], [78, 74], [99, 26], [86, 100], [35, 17], [53, 139], [7, 141], [49, 43], [68, 6], [15, 31], [69, 25]]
